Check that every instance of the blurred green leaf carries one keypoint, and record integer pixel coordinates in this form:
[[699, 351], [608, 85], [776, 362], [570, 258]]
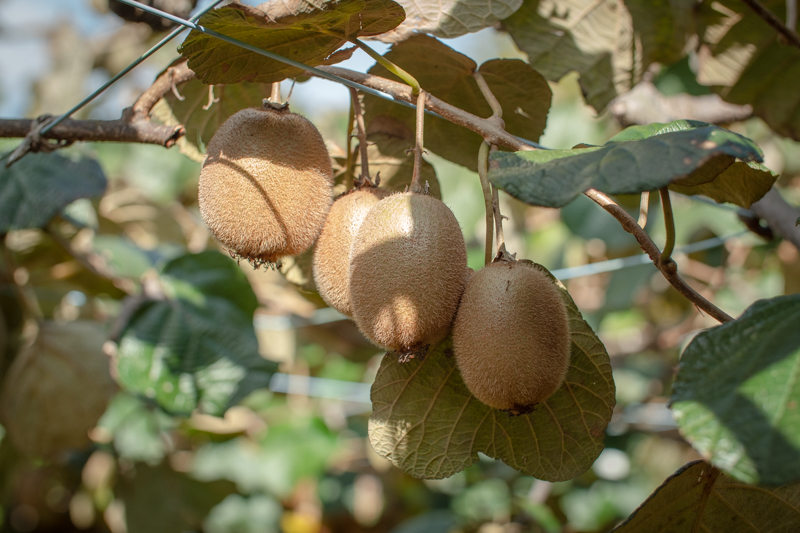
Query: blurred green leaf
[[640, 158], [137, 430], [609, 43], [308, 32], [737, 392], [38, 186], [238, 514], [197, 349], [81, 214], [522, 92], [426, 422], [160, 500], [699, 497], [123, 257], [746, 63], [488, 500], [439, 521]]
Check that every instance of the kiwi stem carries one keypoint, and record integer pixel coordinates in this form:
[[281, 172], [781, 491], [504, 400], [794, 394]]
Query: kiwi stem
[[361, 132], [497, 110], [669, 223], [644, 208], [418, 149], [275, 94], [498, 223], [349, 163], [669, 269], [391, 67], [483, 174], [25, 295]]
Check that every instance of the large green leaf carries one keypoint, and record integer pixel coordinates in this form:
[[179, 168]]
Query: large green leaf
[[426, 421], [747, 64], [740, 183], [449, 18], [308, 32], [197, 349], [737, 393], [610, 43], [38, 186], [699, 497], [640, 158], [522, 92]]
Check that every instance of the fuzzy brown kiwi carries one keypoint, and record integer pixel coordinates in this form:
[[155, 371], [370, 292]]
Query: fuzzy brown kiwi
[[266, 185], [331, 265], [511, 336], [407, 272]]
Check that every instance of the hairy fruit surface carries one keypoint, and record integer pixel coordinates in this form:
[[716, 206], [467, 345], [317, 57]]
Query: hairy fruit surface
[[266, 185], [407, 273], [511, 336], [332, 253]]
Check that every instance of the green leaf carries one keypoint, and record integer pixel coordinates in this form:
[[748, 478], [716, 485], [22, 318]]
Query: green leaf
[[609, 43], [449, 18], [640, 158], [426, 422], [741, 183], [198, 349], [160, 500], [737, 393], [700, 498], [238, 514], [139, 432], [746, 63], [522, 92], [308, 32], [39, 186]]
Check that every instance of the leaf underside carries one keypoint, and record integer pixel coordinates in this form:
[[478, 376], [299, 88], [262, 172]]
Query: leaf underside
[[426, 422], [737, 394], [297, 29], [700, 498], [640, 158]]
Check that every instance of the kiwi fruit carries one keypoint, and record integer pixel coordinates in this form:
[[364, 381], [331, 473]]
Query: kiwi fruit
[[511, 336], [266, 185], [407, 272], [331, 264]]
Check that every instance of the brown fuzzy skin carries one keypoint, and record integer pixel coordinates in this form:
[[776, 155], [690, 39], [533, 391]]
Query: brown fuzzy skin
[[511, 336], [334, 246], [407, 272], [266, 185]]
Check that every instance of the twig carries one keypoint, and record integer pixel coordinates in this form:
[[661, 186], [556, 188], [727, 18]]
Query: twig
[[644, 208], [774, 21], [483, 171], [486, 128], [418, 147], [668, 270], [122, 131], [497, 109], [361, 132], [669, 224]]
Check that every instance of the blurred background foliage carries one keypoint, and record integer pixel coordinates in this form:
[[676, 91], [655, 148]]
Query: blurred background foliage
[[295, 457]]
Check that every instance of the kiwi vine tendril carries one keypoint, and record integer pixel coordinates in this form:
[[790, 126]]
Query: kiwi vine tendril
[[483, 171], [669, 223], [418, 147], [391, 67], [361, 132]]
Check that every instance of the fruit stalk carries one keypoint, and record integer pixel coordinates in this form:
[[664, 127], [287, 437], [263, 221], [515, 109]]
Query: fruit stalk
[[418, 149], [644, 208], [498, 223], [350, 161], [669, 223], [483, 171], [275, 93], [361, 132]]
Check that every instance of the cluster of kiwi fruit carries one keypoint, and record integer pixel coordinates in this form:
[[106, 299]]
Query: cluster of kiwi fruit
[[394, 262]]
